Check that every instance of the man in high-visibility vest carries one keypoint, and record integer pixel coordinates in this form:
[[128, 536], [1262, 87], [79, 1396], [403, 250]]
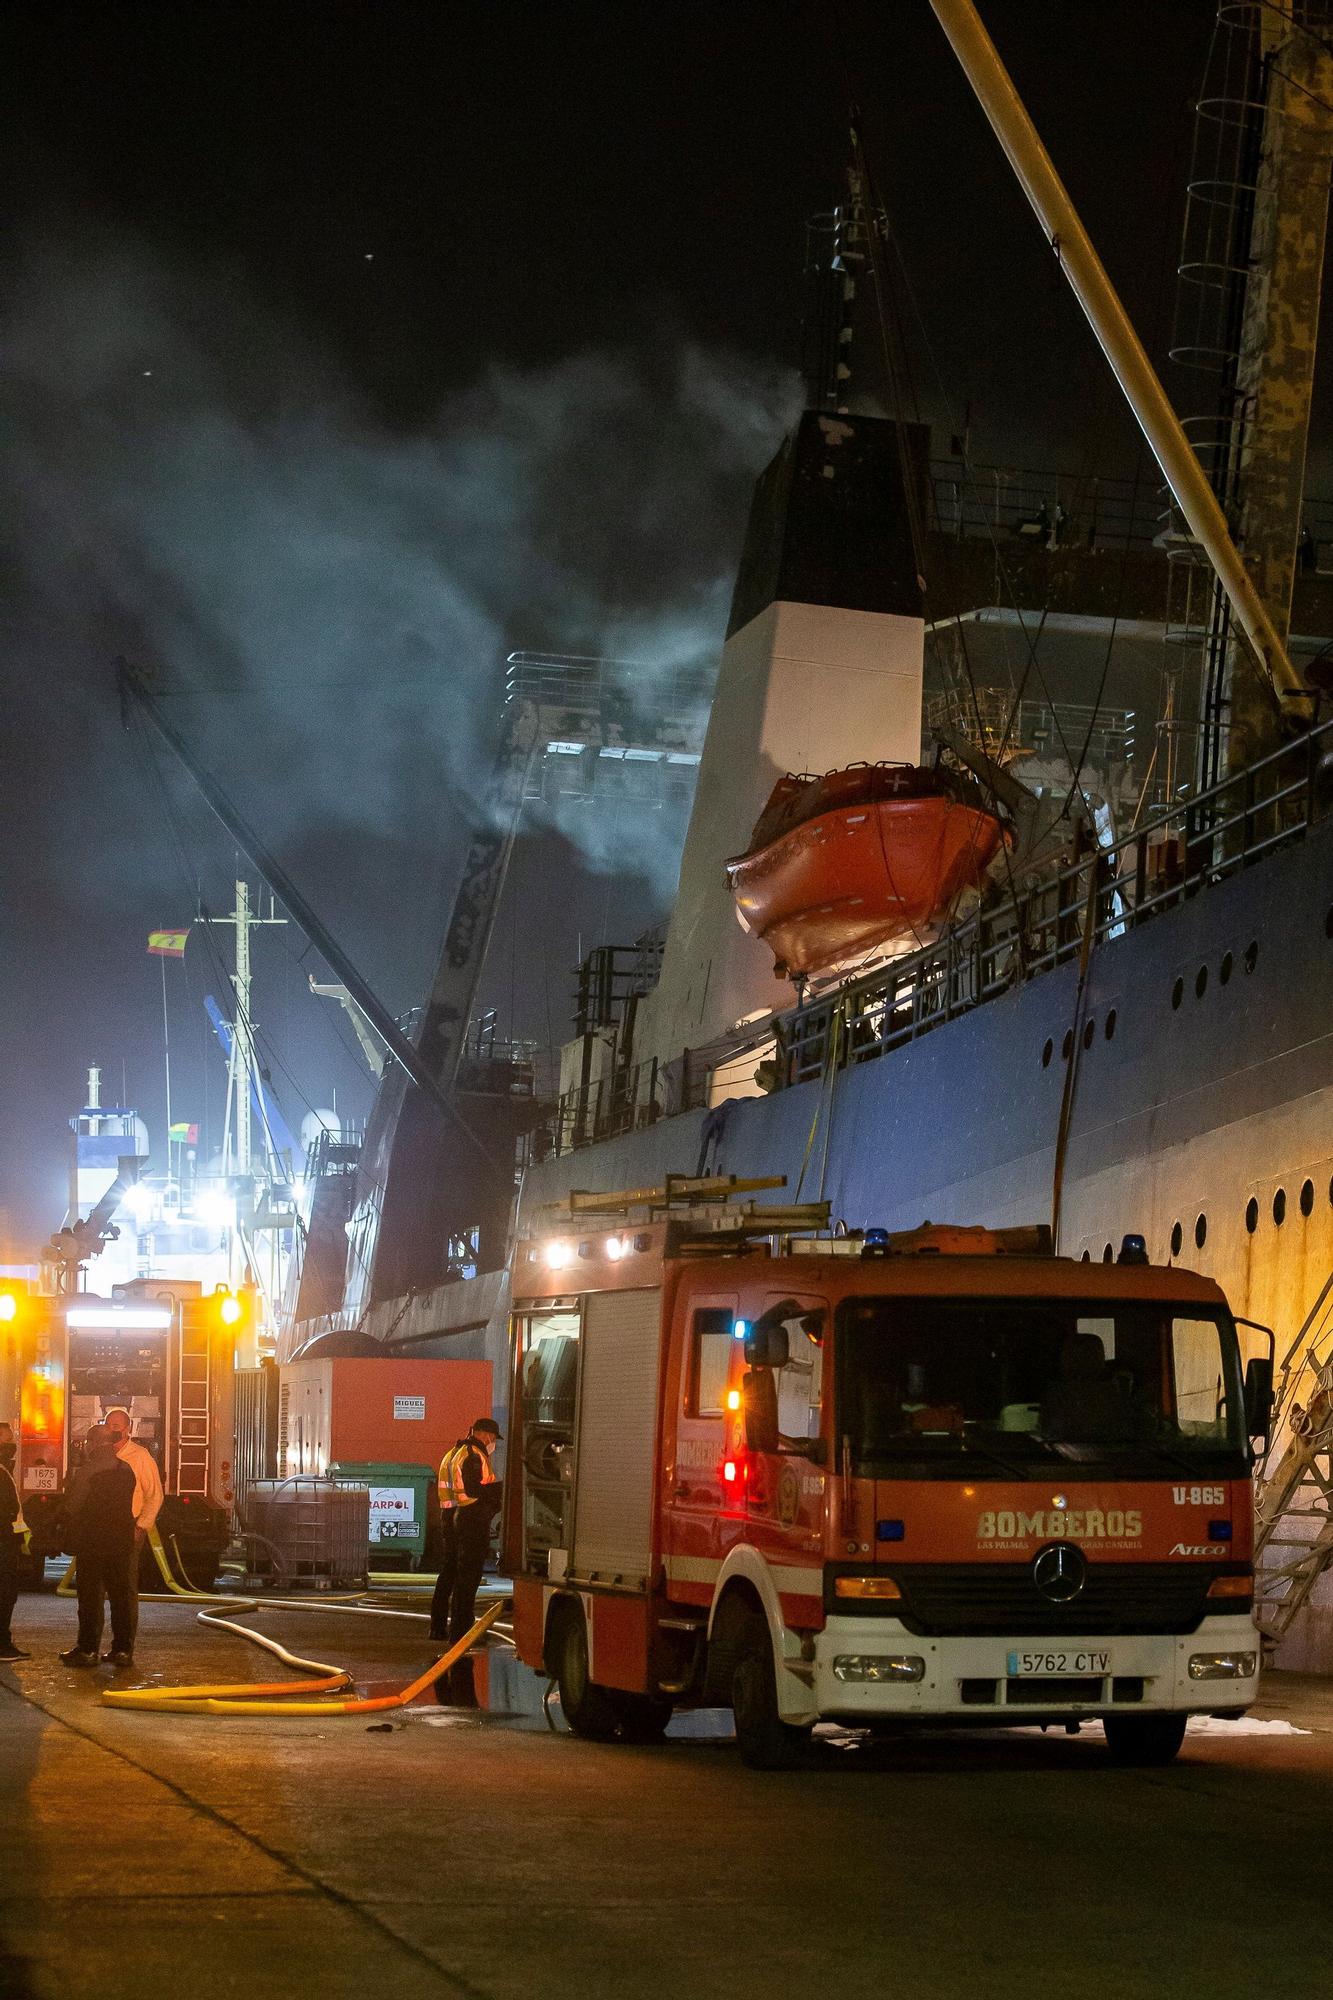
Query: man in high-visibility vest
[[469, 1497]]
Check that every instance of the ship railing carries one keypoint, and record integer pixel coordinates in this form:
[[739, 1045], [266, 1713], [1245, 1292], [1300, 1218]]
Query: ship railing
[[1232, 826], [625, 1100], [1065, 510]]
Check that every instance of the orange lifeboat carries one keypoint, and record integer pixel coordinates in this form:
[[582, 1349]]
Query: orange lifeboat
[[841, 864]]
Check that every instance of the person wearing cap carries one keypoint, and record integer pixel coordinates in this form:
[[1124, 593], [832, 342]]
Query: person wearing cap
[[469, 1499], [99, 1534]]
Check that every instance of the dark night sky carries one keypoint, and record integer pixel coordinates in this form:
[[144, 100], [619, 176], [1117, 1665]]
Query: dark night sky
[[349, 346]]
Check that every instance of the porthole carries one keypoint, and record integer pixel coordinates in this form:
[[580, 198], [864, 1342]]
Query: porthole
[[1307, 1197], [1225, 968], [1107, 1254], [1177, 1238], [1089, 1032], [1067, 1045], [1177, 993], [1109, 1029], [1280, 1207], [1251, 958], [1048, 1050], [1201, 982], [1251, 1215], [1200, 1231]]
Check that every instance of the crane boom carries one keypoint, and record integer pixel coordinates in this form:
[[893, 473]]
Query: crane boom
[[132, 688]]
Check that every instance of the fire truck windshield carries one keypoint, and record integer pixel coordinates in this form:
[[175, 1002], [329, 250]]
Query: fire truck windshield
[[925, 1385]]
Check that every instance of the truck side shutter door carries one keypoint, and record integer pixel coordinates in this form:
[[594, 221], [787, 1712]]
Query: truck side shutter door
[[617, 1432]]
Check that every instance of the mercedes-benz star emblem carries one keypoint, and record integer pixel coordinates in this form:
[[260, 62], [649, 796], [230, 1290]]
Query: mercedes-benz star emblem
[[1059, 1571]]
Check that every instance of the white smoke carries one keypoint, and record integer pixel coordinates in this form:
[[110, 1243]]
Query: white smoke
[[190, 475]]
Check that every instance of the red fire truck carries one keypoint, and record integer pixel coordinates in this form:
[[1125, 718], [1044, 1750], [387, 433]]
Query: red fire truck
[[879, 1480], [164, 1350]]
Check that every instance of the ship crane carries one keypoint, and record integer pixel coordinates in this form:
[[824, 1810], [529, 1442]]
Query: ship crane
[[423, 1178], [134, 688]]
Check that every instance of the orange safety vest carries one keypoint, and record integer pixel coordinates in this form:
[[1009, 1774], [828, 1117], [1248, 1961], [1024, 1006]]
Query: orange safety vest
[[450, 1482]]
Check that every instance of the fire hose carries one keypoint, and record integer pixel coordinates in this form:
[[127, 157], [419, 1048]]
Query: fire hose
[[274, 1697], [236, 1698]]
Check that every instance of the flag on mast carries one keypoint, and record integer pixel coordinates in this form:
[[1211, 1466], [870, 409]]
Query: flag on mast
[[183, 1135], [168, 944]]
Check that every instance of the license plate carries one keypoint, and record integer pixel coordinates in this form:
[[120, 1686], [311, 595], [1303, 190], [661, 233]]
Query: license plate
[[1023, 1664]]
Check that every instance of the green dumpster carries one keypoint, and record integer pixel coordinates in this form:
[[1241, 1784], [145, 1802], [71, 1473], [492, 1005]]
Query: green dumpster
[[400, 1503]]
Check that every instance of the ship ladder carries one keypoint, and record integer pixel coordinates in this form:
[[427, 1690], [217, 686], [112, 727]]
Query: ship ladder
[[1294, 1500]]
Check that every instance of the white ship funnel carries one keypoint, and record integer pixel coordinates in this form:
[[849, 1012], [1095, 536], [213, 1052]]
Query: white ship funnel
[[822, 667]]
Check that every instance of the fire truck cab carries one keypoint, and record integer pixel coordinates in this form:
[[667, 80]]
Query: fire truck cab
[[934, 1478]]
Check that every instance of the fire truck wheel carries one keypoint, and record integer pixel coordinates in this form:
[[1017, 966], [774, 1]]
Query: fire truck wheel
[[586, 1707], [765, 1741], [1143, 1739], [643, 1717]]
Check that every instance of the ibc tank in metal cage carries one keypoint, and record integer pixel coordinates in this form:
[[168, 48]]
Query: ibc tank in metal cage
[[310, 1530]]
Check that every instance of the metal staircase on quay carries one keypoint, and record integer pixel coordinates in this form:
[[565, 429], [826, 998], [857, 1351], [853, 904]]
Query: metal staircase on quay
[[1294, 1487]]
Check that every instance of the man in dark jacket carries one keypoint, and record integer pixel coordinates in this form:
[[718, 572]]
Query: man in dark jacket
[[100, 1537], [469, 1497], [10, 1517]]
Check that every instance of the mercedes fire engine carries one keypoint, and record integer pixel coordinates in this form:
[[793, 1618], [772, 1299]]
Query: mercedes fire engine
[[874, 1479], [164, 1350]]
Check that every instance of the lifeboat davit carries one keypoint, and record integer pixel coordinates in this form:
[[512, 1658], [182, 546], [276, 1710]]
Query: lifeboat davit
[[841, 864]]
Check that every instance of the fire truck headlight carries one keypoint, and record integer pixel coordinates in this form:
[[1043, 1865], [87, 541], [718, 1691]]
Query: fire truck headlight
[[558, 1255], [615, 1248], [1221, 1666], [879, 1667]]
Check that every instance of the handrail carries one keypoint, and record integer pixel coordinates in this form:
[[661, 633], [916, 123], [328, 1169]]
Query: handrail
[[1175, 855]]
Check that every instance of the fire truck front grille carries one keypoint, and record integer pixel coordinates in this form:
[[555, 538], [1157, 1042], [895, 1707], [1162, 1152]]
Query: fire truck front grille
[[1002, 1598]]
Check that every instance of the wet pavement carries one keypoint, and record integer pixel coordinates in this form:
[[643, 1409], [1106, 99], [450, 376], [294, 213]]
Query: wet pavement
[[489, 1853]]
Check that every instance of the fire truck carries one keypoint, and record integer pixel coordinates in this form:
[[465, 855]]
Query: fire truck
[[873, 1479], [163, 1349]]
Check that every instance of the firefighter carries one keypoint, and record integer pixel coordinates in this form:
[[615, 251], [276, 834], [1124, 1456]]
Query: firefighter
[[100, 1537], [469, 1498]]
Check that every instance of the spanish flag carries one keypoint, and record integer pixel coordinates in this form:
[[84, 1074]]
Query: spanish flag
[[168, 944]]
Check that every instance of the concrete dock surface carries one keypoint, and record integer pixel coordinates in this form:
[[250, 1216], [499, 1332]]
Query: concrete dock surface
[[489, 1853]]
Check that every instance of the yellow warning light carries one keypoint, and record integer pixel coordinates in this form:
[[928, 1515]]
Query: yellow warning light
[[9, 1306], [229, 1309], [733, 1399]]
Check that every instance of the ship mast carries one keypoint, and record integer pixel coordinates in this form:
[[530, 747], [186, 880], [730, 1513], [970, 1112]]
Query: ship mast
[[1120, 343]]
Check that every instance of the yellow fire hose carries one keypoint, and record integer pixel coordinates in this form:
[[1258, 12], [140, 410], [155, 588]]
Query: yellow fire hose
[[234, 1699], [273, 1697]]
